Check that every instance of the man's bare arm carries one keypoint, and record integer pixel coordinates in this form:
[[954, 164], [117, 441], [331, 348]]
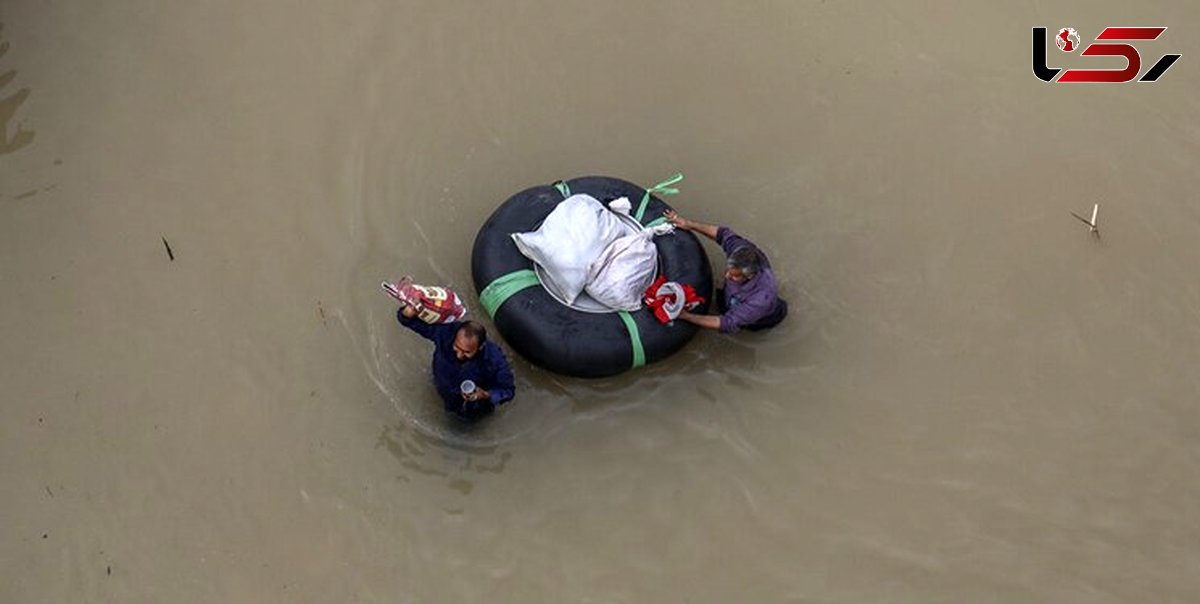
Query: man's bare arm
[[708, 230], [705, 321]]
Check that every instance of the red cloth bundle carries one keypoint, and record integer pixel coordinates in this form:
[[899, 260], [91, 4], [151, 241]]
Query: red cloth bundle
[[667, 299]]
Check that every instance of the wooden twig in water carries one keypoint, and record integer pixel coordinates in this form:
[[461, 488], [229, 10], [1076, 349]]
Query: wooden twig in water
[[170, 254], [1092, 226]]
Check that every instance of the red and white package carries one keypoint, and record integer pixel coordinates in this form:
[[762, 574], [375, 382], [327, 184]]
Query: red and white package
[[433, 304]]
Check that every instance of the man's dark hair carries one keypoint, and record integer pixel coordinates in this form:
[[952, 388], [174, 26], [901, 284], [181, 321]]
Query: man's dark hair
[[474, 331], [746, 259]]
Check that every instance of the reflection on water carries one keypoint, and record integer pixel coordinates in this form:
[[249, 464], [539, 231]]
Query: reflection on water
[[8, 109]]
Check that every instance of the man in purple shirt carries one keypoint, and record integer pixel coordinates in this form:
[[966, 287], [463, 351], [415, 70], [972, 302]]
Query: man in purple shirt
[[462, 352], [750, 299]]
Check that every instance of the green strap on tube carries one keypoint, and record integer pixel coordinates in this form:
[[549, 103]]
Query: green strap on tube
[[656, 222], [635, 339], [504, 287], [662, 188], [563, 188]]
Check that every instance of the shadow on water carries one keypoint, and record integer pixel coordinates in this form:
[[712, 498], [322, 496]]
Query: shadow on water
[[436, 458], [8, 109]]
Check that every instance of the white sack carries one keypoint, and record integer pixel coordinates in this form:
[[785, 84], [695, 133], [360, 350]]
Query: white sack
[[619, 276], [569, 241]]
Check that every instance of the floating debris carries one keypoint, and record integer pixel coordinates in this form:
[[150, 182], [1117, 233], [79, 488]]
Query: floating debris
[[1092, 226], [170, 254]]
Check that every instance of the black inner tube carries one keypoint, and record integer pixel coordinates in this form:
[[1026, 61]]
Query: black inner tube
[[558, 338]]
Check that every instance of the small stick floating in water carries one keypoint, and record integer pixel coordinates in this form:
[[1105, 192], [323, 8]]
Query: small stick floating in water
[[170, 254], [1091, 223]]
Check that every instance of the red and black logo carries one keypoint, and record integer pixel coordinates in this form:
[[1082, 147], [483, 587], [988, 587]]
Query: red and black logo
[[1067, 40]]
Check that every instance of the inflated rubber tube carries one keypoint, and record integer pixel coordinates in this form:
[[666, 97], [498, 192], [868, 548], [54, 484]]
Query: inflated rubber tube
[[555, 336]]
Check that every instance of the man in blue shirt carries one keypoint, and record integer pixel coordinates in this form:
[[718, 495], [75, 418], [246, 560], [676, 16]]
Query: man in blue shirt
[[462, 352]]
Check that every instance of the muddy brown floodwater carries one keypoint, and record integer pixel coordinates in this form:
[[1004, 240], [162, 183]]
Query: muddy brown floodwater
[[973, 400]]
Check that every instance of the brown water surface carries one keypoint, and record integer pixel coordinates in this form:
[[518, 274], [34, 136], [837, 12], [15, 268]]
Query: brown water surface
[[974, 400]]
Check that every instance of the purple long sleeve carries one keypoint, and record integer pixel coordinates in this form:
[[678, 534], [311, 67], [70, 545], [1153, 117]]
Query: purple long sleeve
[[751, 300]]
